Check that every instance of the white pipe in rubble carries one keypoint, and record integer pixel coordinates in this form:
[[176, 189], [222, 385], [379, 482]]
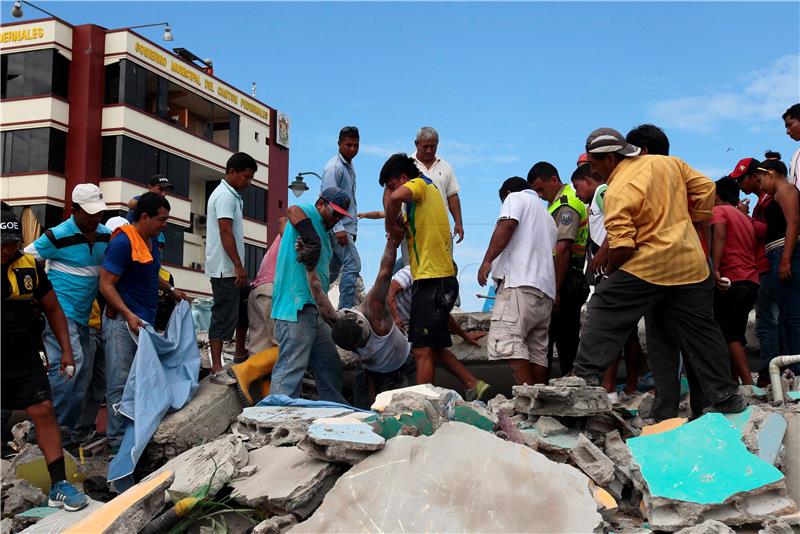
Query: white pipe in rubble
[[775, 374]]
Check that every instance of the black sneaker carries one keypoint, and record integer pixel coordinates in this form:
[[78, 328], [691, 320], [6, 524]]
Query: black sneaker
[[733, 404]]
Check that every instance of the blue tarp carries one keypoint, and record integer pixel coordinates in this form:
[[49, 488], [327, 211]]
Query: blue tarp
[[285, 400], [163, 378]]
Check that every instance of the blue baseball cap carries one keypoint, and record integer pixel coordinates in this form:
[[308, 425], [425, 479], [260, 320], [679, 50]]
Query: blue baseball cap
[[338, 200]]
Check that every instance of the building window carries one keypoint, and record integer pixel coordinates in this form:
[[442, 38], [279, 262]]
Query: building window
[[35, 73], [125, 157], [34, 150], [252, 259], [255, 203], [173, 248], [143, 89]]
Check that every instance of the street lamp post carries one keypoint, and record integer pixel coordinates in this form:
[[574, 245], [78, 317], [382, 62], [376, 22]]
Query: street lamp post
[[167, 29], [16, 11], [298, 186]]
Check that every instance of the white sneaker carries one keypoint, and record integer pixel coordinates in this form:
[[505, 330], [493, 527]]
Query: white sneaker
[[223, 378]]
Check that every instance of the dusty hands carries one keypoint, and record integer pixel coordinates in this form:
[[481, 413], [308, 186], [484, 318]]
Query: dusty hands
[[307, 253]]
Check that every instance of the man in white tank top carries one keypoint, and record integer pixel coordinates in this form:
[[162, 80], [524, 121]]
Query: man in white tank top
[[369, 330]]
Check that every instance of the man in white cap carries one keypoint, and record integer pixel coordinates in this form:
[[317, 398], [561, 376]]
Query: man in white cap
[[657, 265], [74, 252]]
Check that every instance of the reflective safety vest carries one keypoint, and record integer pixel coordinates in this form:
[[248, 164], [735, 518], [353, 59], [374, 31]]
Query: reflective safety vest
[[23, 278], [569, 197]]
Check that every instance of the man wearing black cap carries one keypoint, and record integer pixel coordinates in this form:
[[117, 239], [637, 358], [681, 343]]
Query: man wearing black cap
[[658, 265], [304, 338], [158, 184], [25, 385]]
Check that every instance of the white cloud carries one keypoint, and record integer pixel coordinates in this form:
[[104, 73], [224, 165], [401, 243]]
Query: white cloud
[[761, 96]]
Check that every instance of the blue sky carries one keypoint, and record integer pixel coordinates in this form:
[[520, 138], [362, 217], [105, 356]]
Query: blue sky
[[506, 84]]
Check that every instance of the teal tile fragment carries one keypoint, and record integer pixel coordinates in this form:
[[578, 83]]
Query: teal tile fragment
[[738, 420], [38, 512], [794, 395], [704, 462]]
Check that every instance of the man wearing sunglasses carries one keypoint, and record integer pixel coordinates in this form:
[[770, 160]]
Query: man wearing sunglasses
[[304, 338]]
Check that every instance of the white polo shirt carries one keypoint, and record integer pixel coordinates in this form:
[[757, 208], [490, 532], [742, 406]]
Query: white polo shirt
[[442, 175], [528, 258]]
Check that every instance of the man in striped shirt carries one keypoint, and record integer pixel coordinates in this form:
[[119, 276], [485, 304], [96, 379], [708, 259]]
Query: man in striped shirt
[[74, 252]]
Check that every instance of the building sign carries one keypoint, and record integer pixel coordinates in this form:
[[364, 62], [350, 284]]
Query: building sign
[[283, 130], [199, 79], [22, 35], [36, 35]]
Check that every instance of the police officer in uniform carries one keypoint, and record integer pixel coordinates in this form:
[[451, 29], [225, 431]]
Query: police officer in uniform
[[572, 289], [24, 379]]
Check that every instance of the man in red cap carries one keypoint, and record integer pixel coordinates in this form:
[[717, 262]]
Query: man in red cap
[[766, 305]]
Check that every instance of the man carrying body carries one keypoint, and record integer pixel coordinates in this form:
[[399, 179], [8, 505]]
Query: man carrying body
[[339, 173], [441, 173], [225, 258], [74, 252], [369, 331], [572, 289], [129, 281], [520, 259], [427, 231], [655, 263], [25, 384], [304, 339]]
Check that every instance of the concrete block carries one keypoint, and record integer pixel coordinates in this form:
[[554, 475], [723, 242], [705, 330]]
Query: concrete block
[[566, 397], [30, 465], [475, 415], [591, 460], [763, 435], [346, 440], [619, 453], [60, 520], [287, 481], [207, 416], [20, 495], [281, 425], [702, 470], [129, 512], [776, 526], [709, 526], [791, 455], [556, 447], [501, 404], [275, 525], [460, 479], [444, 400], [549, 426], [213, 465]]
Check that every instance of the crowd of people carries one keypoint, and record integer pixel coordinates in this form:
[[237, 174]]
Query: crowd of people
[[656, 239]]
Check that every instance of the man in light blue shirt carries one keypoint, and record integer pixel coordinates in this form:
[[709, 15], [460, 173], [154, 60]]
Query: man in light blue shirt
[[303, 337], [339, 172], [74, 252], [225, 256]]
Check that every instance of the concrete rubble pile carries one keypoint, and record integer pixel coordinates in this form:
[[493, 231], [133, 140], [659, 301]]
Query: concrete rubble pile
[[553, 458]]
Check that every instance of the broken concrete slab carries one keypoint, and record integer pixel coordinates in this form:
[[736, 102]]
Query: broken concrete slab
[[709, 526], [640, 404], [703, 470], [619, 453], [476, 415], [61, 520], [275, 525], [344, 439], [443, 399], [566, 397], [791, 455], [550, 426], [287, 481], [213, 464], [555, 447], [459, 479], [128, 512], [763, 435], [20, 495], [208, 415], [592, 461], [281, 425], [32, 516], [30, 465], [776, 526], [501, 404]]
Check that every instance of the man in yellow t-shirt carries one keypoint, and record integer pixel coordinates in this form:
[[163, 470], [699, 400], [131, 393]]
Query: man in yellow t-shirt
[[426, 229]]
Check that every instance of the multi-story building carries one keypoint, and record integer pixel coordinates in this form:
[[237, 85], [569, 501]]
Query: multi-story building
[[87, 104]]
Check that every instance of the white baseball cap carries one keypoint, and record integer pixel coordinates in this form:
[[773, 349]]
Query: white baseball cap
[[115, 222], [89, 198]]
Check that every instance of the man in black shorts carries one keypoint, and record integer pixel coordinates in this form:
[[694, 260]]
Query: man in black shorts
[[24, 379]]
